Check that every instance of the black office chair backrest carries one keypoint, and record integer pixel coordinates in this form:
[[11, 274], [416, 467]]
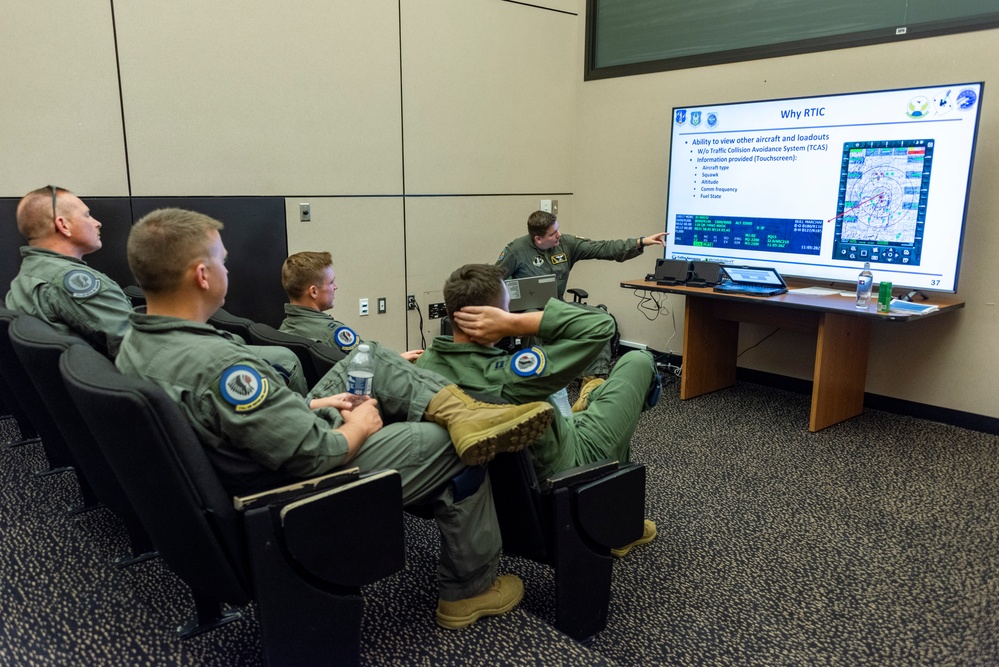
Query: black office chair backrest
[[223, 319], [165, 473], [39, 347], [325, 357], [135, 295], [27, 396], [265, 334]]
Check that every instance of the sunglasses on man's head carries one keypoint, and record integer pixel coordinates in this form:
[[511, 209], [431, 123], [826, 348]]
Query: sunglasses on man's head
[[54, 189]]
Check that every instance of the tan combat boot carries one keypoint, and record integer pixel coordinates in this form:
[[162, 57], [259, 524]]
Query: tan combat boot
[[480, 430], [505, 593]]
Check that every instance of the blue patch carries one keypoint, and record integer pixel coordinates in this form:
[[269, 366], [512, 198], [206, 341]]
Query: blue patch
[[243, 387], [345, 339], [81, 284], [528, 362]]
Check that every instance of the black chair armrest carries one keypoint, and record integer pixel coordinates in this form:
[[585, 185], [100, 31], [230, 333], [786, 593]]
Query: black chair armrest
[[578, 294], [579, 475], [610, 509], [291, 492], [323, 532]]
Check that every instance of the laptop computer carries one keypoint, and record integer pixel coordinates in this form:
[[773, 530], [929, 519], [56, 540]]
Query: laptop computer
[[751, 280], [531, 293]]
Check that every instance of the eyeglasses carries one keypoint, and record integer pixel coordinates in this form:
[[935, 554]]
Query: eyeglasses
[[54, 189]]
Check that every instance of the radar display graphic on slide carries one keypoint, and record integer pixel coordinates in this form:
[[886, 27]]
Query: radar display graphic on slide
[[882, 201]]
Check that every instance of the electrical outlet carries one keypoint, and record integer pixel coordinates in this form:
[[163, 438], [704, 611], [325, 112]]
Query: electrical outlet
[[550, 206], [411, 302], [304, 212], [437, 311], [363, 308], [381, 305]]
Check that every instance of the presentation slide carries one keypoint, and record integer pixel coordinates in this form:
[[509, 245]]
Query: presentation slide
[[815, 187]]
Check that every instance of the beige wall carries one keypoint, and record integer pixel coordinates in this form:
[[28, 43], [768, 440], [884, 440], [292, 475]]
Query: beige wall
[[423, 133], [622, 130]]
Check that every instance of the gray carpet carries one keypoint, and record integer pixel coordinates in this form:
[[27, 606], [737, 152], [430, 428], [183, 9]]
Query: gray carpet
[[874, 542]]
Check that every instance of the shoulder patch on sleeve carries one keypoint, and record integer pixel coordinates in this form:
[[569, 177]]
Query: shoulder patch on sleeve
[[528, 362], [81, 283], [243, 387], [345, 338], [502, 255]]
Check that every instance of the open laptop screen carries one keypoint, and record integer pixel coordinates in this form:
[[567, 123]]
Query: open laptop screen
[[753, 275], [531, 293]]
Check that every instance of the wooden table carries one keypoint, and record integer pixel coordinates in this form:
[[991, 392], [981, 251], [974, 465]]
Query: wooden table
[[711, 336]]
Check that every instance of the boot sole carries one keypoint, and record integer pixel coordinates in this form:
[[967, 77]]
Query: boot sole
[[515, 438]]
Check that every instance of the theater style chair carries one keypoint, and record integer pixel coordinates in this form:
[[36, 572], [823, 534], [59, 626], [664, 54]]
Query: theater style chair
[[16, 376], [325, 357], [135, 295], [12, 409], [39, 347], [301, 552], [226, 321], [570, 521], [265, 334]]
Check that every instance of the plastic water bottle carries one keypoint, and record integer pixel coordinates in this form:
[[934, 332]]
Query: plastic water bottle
[[561, 400], [361, 372], [865, 281]]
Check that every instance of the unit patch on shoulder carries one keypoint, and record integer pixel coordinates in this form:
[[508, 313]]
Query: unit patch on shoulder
[[243, 387], [528, 362], [559, 258], [538, 261], [501, 255], [345, 339], [81, 284]]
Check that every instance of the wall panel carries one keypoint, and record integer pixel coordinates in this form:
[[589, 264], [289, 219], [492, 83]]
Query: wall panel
[[488, 97], [261, 98], [59, 102]]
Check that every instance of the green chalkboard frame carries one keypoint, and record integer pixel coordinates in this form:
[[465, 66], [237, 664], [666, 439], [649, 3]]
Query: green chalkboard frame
[[641, 44]]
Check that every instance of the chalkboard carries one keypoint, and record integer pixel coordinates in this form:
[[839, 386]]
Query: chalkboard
[[626, 37]]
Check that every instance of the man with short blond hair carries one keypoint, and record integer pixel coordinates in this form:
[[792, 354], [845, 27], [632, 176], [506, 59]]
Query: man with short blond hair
[[54, 283], [310, 283], [260, 434]]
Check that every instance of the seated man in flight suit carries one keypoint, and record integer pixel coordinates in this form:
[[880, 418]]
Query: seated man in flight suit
[[601, 424], [258, 433], [54, 283], [309, 282]]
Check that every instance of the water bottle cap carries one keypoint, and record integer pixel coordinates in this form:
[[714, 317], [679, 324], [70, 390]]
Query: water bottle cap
[[363, 347]]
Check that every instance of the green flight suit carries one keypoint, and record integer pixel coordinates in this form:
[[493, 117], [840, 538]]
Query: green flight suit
[[71, 296], [569, 338], [521, 258], [318, 326], [259, 434]]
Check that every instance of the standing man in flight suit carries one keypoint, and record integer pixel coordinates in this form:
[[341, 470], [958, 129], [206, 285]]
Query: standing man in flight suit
[[54, 283], [309, 282], [546, 251], [258, 433], [600, 426]]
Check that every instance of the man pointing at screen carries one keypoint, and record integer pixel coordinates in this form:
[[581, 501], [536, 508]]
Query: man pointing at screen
[[547, 251]]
